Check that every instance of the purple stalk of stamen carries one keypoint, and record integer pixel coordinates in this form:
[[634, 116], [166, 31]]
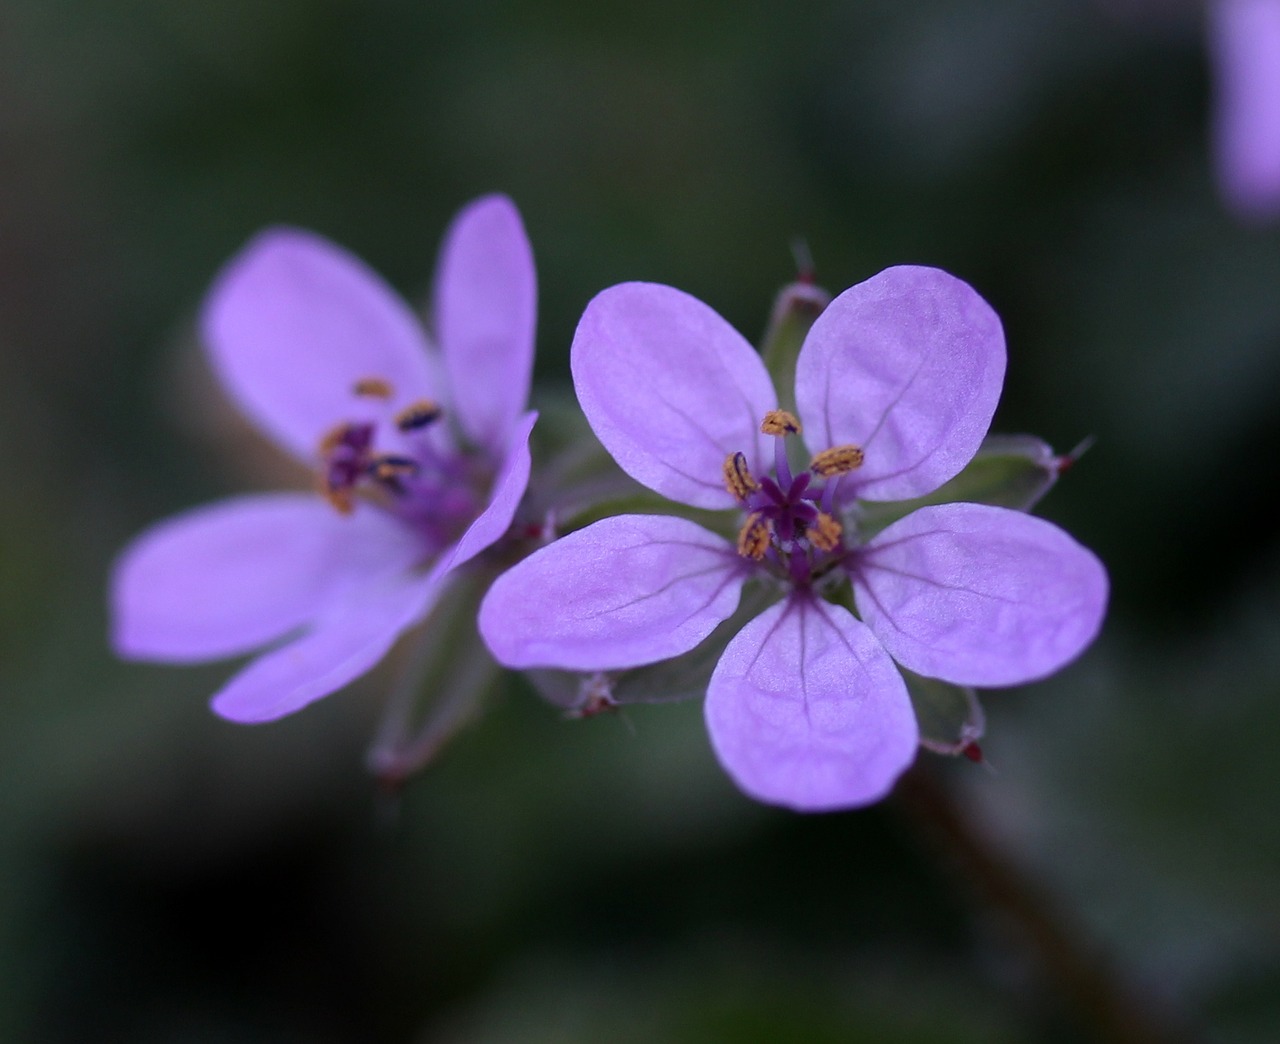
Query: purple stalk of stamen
[[780, 464], [829, 494]]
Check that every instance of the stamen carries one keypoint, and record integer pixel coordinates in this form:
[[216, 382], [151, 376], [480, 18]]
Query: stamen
[[738, 479], [353, 438], [341, 499], [753, 539], [824, 532], [389, 467], [419, 415], [780, 422], [373, 388], [838, 460], [344, 451]]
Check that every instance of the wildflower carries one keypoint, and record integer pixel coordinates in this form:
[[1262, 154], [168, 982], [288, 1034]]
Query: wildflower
[[1244, 40], [895, 387], [422, 457]]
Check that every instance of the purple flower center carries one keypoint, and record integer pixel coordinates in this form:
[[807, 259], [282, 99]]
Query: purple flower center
[[435, 489], [790, 525]]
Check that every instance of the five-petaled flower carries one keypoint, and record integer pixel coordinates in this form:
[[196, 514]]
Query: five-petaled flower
[[895, 388], [422, 458]]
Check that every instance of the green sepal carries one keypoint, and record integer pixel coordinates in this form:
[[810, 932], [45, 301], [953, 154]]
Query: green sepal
[[950, 717], [1012, 471], [682, 678], [794, 311]]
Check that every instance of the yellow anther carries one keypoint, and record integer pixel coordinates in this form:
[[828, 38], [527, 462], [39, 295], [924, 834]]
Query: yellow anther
[[342, 500], [333, 438], [753, 538], [389, 467], [824, 532], [419, 415], [838, 460], [780, 422], [738, 479], [373, 388]]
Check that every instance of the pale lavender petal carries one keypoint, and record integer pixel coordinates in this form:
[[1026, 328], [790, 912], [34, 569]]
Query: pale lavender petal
[[485, 312], [345, 644], [805, 709], [670, 389], [980, 595], [909, 366], [626, 591], [504, 498], [226, 578], [294, 321], [1245, 43]]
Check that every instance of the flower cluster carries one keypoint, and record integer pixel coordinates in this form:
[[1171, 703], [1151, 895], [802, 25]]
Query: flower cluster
[[420, 447]]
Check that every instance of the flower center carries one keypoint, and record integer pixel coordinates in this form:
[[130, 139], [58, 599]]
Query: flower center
[[791, 519], [435, 490]]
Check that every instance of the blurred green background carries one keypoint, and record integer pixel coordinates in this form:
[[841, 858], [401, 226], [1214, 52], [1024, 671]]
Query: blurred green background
[[167, 876]]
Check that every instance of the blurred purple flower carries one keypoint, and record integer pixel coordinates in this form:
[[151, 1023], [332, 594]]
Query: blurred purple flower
[[422, 456], [1244, 41], [896, 384]]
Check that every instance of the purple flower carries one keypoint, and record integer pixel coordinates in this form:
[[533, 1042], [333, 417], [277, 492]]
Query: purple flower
[[1244, 39], [895, 386], [422, 457]]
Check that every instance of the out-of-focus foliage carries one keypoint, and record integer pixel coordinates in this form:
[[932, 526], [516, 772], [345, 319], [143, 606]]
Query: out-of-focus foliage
[[172, 877]]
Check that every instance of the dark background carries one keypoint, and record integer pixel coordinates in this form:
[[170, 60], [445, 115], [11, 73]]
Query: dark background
[[166, 876]]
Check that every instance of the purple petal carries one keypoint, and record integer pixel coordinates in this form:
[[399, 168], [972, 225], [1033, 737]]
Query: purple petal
[[344, 645], [980, 595], [227, 578], [908, 365], [1245, 42], [504, 498], [671, 389], [626, 591], [294, 321], [485, 311], [805, 709]]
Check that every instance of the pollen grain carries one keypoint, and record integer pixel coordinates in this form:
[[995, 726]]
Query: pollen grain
[[753, 538], [373, 388], [780, 422], [738, 479], [838, 460], [422, 413]]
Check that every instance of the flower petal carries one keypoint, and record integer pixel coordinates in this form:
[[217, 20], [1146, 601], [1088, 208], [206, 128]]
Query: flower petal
[[485, 312], [909, 366], [626, 591], [805, 709], [229, 577], [1245, 41], [980, 595], [343, 646], [294, 321], [504, 498], [670, 389]]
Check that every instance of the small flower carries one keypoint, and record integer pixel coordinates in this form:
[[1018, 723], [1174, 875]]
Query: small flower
[[421, 460], [1244, 42], [895, 387]]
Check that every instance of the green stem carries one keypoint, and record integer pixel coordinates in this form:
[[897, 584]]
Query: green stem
[[1112, 1010]]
